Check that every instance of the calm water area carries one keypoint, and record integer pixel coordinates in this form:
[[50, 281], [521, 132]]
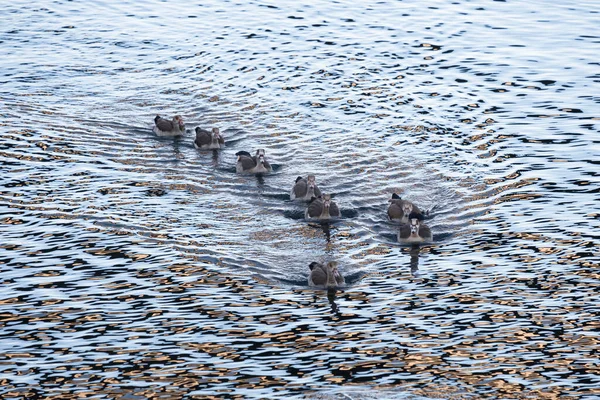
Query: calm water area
[[138, 267]]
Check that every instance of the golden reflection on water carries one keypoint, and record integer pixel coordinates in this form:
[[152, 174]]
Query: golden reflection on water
[[428, 356]]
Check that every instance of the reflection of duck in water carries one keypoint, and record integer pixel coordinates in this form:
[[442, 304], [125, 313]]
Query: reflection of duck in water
[[399, 210], [331, 292], [326, 275], [322, 208], [326, 228], [164, 127], [415, 231], [257, 164], [305, 189], [208, 140], [414, 260]]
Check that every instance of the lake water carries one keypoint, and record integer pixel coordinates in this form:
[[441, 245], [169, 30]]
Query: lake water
[[138, 267]]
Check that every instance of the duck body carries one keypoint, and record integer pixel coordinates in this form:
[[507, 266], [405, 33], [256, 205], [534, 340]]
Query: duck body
[[400, 210], [166, 128], [325, 275], [208, 140], [322, 208], [305, 189], [257, 164], [414, 231]]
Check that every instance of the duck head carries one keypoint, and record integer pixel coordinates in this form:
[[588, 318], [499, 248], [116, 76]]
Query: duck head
[[407, 208], [260, 156], [311, 182], [215, 134], [415, 223], [414, 226], [326, 201], [179, 121], [332, 266]]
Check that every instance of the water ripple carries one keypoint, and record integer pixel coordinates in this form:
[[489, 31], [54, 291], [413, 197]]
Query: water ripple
[[135, 266]]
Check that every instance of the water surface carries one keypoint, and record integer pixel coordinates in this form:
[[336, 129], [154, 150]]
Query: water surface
[[134, 266]]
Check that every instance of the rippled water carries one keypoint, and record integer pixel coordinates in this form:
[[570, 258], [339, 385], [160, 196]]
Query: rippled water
[[134, 266]]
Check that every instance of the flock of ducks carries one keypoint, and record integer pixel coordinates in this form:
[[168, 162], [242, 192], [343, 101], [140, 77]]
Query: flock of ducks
[[320, 206]]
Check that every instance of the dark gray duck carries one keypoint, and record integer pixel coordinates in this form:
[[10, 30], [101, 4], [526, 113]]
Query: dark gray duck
[[164, 127], [415, 231], [207, 140], [322, 208], [257, 164], [305, 189], [399, 209], [325, 275]]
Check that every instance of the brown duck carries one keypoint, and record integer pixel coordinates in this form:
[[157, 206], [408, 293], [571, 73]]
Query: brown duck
[[164, 127], [322, 208], [207, 140], [305, 189], [415, 231], [399, 209], [258, 164], [325, 275]]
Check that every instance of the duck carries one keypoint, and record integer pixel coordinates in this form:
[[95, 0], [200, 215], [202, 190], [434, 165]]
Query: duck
[[257, 164], [164, 127], [322, 208], [399, 209], [305, 189], [325, 275], [415, 231], [208, 140]]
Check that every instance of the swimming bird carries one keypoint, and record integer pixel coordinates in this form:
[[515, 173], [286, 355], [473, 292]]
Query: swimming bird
[[164, 127], [256, 164], [415, 231], [305, 189], [208, 140], [325, 275], [322, 208], [399, 209]]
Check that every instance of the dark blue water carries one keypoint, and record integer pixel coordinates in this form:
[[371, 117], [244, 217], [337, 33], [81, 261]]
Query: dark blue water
[[134, 267]]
